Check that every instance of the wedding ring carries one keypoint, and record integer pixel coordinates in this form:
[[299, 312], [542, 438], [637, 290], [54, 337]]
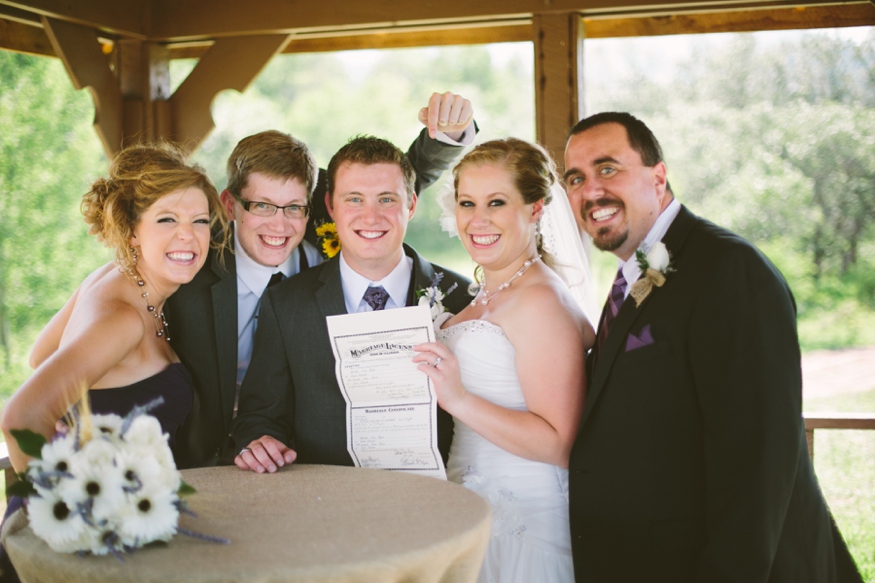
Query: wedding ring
[[437, 361], [244, 450]]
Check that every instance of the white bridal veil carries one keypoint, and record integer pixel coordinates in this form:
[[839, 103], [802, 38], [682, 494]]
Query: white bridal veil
[[564, 241]]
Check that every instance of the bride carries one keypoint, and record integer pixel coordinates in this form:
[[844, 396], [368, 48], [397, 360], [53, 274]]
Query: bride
[[510, 366]]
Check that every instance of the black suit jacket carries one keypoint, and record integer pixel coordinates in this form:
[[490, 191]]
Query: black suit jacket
[[691, 462], [290, 391], [203, 318]]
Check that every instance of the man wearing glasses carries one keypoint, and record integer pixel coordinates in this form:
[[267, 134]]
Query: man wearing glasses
[[272, 178]]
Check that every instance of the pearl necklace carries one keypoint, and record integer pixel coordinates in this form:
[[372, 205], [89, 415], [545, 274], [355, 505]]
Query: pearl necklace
[[488, 295]]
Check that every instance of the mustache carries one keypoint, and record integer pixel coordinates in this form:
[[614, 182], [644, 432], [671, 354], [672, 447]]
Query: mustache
[[602, 201]]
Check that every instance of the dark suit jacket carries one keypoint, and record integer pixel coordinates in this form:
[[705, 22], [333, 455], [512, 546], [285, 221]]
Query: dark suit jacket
[[290, 391], [691, 462], [203, 324]]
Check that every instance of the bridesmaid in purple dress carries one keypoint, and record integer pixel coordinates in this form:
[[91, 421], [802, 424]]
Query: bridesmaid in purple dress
[[110, 340]]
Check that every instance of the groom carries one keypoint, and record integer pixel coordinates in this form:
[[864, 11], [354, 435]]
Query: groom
[[690, 463], [290, 404], [271, 180]]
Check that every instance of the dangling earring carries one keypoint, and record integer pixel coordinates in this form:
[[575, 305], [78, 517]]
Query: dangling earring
[[539, 239], [134, 255]]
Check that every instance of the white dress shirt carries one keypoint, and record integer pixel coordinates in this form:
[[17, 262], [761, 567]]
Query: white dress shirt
[[252, 279], [397, 284], [631, 271]]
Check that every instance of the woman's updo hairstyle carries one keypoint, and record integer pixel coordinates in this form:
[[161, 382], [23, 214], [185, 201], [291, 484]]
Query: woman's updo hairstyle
[[138, 176], [532, 169]]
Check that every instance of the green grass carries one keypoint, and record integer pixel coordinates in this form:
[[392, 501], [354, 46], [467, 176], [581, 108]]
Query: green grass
[[850, 324], [845, 464]]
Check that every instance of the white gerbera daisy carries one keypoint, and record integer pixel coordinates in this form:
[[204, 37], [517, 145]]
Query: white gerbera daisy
[[61, 526], [151, 514], [144, 439], [138, 470], [106, 540], [145, 431], [106, 425], [97, 480], [45, 473]]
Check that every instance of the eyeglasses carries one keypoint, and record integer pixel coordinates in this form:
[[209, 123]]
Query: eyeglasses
[[265, 209]]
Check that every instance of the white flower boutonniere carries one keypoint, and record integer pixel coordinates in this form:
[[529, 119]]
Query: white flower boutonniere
[[433, 297], [654, 266]]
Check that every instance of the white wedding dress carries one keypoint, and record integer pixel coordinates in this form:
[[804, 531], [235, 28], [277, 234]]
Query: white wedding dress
[[530, 540]]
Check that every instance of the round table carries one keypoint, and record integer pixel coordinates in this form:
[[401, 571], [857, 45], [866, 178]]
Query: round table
[[304, 523]]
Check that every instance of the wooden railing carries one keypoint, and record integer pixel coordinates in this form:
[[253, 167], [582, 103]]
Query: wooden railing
[[835, 421], [812, 421]]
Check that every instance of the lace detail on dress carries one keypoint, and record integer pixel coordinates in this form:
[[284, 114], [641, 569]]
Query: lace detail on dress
[[529, 500], [470, 326], [506, 517]]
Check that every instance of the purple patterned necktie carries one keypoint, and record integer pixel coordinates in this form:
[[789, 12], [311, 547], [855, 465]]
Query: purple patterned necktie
[[376, 297], [612, 307]]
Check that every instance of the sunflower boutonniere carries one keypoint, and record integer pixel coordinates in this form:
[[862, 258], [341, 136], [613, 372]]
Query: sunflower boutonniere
[[327, 233], [654, 265]]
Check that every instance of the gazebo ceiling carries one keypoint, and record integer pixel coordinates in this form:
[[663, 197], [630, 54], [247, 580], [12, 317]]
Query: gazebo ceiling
[[177, 21], [120, 49]]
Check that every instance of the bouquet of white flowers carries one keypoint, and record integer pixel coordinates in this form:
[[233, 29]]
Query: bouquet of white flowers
[[106, 486]]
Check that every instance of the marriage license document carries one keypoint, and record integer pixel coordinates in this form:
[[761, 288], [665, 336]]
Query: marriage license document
[[391, 407]]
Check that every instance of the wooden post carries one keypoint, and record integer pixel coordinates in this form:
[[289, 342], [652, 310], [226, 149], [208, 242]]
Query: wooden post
[[558, 79], [809, 437], [144, 79]]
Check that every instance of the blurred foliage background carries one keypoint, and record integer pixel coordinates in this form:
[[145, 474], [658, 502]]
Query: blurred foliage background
[[774, 139], [769, 134]]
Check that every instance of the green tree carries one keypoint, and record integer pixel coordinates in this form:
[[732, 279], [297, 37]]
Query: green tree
[[323, 101], [50, 154]]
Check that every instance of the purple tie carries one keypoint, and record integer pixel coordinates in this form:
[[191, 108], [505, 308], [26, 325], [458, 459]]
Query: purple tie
[[376, 297], [612, 307]]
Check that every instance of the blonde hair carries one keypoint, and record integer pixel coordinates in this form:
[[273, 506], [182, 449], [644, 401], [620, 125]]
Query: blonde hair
[[138, 176], [531, 167]]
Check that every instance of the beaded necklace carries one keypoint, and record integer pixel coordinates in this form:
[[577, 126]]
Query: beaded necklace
[[160, 320], [488, 295]]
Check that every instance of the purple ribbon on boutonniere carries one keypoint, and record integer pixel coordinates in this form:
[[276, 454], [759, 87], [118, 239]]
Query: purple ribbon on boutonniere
[[644, 338]]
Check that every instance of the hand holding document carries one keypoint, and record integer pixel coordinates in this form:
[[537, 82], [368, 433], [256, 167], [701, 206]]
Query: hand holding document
[[391, 407]]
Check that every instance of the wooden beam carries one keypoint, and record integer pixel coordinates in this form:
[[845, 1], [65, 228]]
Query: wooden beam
[[23, 38], [423, 38], [835, 421], [20, 16], [839, 420], [231, 63], [125, 17], [81, 53], [801, 17], [16, 36], [859, 14], [180, 20], [558, 79]]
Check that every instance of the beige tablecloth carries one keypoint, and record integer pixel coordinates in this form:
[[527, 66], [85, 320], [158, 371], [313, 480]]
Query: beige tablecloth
[[305, 523]]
